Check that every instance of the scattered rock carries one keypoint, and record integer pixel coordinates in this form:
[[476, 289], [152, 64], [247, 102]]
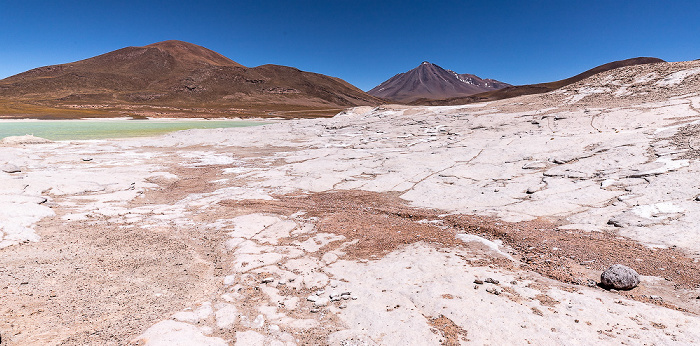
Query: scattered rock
[[619, 277], [493, 290], [87, 159], [313, 298], [315, 310], [335, 297], [478, 282], [491, 281], [267, 280]]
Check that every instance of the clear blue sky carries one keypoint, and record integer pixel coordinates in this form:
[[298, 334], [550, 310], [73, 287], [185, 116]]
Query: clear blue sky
[[363, 42]]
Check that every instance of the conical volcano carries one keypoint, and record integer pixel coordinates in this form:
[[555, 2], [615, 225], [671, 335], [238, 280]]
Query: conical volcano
[[431, 81]]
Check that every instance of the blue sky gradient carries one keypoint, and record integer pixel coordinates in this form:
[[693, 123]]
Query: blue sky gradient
[[363, 42]]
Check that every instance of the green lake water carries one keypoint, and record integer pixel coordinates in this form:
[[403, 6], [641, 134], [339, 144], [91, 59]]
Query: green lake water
[[58, 130]]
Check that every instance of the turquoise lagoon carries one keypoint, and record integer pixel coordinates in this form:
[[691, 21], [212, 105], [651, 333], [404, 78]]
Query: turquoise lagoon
[[58, 130]]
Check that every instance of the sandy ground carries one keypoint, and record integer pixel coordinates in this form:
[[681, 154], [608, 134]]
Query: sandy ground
[[478, 224]]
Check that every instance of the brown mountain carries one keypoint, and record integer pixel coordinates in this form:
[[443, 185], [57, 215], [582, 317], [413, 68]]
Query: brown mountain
[[174, 78], [430, 81], [529, 89]]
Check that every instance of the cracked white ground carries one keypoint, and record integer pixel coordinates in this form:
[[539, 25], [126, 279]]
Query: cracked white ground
[[173, 255]]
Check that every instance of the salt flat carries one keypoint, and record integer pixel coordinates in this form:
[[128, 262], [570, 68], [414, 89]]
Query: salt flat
[[370, 227]]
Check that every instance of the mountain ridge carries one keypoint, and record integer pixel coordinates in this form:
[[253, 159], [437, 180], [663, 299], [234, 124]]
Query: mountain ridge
[[180, 76], [530, 89]]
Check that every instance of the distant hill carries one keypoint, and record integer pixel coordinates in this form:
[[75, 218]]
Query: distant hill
[[519, 90], [430, 81], [173, 77]]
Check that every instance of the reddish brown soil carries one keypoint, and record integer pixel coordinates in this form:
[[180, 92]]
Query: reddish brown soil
[[451, 333], [382, 223]]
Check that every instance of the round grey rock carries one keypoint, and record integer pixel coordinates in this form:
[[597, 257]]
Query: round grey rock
[[619, 277]]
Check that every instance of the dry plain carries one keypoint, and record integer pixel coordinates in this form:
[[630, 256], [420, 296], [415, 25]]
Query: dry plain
[[369, 228]]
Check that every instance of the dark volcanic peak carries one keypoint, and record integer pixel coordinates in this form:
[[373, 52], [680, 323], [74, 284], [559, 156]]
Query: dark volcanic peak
[[431, 81], [179, 74]]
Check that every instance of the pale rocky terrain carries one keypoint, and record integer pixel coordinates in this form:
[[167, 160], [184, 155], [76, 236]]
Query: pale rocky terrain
[[480, 224]]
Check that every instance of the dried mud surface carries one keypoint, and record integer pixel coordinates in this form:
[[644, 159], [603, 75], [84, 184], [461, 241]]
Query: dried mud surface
[[382, 223]]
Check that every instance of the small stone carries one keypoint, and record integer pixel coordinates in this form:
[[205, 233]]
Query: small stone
[[345, 297], [267, 280], [354, 297], [493, 290], [619, 277], [315, 310], [86, 159], [346, 293], [535, 165], [655, 297], [478, 282], [320, 292], [491, 281], [335, 297], [476, 287], [591, 283], [343, 306], [313, 298]]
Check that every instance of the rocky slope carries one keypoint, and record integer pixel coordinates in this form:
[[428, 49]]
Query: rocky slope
[[487, 224], [530, 89], [430, 81], [172, 77]]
